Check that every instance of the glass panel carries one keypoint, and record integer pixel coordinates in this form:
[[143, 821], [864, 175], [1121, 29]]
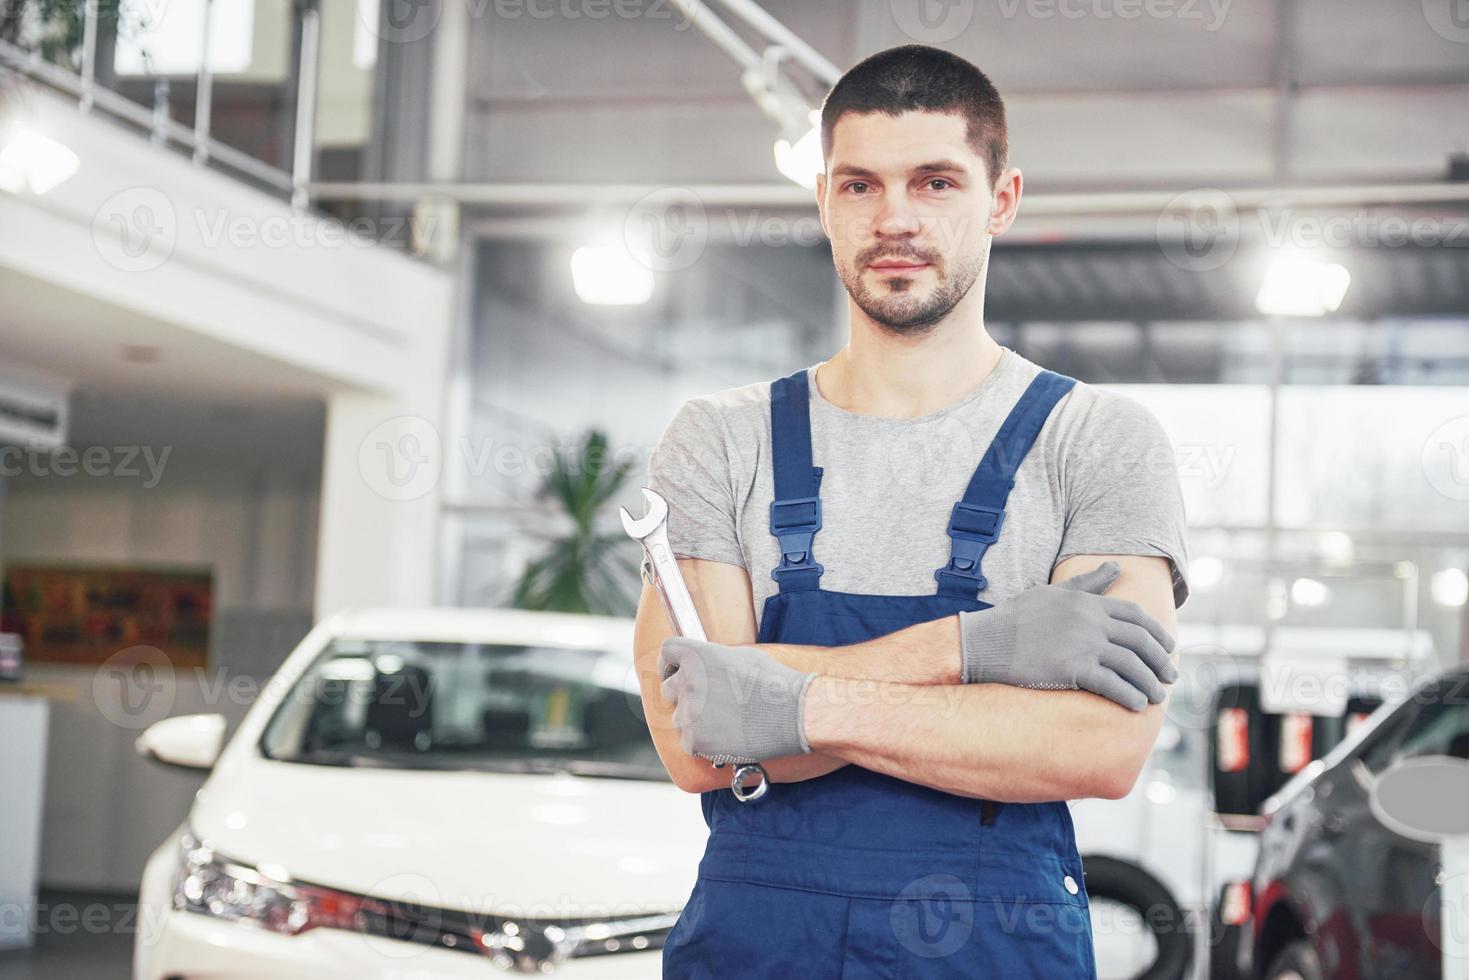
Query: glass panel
[[442, 705]]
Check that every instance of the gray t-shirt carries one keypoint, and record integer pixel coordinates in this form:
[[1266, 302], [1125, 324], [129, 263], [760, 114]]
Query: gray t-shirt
[[1100, 479]]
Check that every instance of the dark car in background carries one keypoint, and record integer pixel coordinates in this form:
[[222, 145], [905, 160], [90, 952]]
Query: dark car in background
[[1335, 892]]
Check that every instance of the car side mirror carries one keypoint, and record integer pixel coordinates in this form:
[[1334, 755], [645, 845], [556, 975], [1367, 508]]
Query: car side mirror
[[188, 741]]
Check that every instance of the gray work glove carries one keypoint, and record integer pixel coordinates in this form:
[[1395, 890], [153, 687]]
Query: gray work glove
[[734, 704], [1069, 636]]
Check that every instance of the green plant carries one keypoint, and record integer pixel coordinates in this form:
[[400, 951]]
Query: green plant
[[584, 570], [55, 27]]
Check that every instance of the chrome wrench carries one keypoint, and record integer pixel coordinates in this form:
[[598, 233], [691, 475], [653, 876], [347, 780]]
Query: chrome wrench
[[651, 531]]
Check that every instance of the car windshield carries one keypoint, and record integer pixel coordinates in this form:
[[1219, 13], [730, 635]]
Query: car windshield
[[434, 705]]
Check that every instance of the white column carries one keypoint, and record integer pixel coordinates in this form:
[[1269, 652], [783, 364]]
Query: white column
[[382, 469]]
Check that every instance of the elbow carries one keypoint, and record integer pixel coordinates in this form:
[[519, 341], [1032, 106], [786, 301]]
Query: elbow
[[1113, 784], [1114, 781], [694, 777]]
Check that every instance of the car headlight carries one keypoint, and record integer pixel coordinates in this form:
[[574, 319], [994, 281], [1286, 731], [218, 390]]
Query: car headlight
[[208, 884], [224, 889]]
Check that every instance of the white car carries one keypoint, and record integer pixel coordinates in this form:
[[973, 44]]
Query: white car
[[426, 793]]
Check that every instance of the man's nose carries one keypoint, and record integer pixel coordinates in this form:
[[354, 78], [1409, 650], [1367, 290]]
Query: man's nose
[[895, 217]]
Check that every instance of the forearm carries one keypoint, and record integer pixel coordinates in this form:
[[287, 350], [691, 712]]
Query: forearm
[[786, 769], [990, 741], [927, 653]]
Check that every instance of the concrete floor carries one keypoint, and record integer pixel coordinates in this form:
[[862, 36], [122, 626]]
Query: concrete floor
[[79, 936]]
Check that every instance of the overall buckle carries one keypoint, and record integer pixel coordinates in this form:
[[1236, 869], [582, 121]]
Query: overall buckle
[[795, 522], [972, 529]]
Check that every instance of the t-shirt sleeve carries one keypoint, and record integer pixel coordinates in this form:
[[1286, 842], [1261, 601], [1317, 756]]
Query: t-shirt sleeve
[[690, 468], [1123, 495]]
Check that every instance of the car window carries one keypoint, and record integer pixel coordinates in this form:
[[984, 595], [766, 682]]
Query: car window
[[1377, 754], [1439, 726], [439, 705]]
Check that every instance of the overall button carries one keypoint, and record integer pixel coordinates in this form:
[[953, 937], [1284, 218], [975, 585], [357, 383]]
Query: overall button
[[1070, 884]]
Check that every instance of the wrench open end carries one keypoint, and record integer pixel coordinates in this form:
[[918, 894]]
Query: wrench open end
[[640, 527]]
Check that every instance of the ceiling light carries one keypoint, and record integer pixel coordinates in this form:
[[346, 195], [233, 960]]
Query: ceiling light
[[1309, 592], [32, 160], [801, 161], [610, 275], [1300, 286], [1450, 587]]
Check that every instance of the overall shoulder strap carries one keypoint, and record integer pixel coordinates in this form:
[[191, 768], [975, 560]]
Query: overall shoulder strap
[[795, 513], [975, 522]]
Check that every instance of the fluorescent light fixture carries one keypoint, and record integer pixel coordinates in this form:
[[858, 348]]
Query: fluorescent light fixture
[[610, 275], [1309, 592], [31, 160], [801, 161], [1450, 587], [1205, 572], [1300, 286], [1337, 547]]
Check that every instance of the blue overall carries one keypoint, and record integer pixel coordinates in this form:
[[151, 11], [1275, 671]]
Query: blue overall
[[857, 874]]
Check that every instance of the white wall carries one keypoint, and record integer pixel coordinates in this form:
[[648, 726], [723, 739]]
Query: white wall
[[248, 516]]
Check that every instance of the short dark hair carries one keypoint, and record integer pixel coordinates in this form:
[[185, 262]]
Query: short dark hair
[[919, 77]]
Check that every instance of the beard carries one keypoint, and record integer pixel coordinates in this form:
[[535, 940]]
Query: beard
[[903, 304]]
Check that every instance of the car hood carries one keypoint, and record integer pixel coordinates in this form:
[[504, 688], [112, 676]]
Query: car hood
[[491, 843]]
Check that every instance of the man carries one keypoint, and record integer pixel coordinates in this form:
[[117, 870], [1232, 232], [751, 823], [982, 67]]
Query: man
[[938, 582]]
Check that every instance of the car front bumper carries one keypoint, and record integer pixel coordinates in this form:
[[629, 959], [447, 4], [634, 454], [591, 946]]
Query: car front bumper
[[190, 945]]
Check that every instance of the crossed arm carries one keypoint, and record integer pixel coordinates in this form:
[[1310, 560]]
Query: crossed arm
[[894, 704]]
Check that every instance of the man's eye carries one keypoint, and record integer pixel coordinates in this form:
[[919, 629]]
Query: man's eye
[[856, 183], [940, 180]]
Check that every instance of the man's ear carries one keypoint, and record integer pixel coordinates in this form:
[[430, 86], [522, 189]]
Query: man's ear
[[1007, 201], [821, 203]]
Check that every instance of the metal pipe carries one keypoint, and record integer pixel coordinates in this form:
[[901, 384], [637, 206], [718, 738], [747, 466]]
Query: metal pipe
[[305, 139], [204, 91], [161, 115], [758, 18], [1148, 203], [719, 33], [89, 53]]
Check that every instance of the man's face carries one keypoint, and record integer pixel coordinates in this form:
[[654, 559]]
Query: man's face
[[907, 205]]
